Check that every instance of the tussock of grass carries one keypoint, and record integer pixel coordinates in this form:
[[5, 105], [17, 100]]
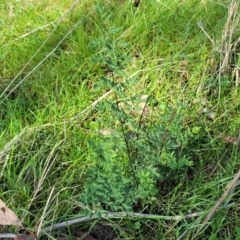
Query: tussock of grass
[[181, 52]]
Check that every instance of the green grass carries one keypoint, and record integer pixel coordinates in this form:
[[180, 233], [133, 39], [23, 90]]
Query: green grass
[[46, 122]]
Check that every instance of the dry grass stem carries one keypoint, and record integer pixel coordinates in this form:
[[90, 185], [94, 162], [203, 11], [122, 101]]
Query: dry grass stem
[[43, 214], [229, 188], [48, 166], [227, 42], [35, 54]]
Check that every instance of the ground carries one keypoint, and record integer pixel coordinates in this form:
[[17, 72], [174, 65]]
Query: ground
[[121, 106]]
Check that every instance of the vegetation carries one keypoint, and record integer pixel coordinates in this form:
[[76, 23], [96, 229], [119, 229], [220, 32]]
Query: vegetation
[[124, 113]]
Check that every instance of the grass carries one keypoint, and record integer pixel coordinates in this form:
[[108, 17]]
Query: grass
[[179, 53]]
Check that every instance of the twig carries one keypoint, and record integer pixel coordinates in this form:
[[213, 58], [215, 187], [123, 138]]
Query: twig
[[116, 215], [108, 215], [8, 235]]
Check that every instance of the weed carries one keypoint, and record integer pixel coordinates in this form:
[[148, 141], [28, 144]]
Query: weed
[[137, 152]]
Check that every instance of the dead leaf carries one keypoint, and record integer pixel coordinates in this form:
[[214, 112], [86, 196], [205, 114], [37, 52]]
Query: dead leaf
[[7, 216], [230, 139], [106, 132], [209, 114]]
